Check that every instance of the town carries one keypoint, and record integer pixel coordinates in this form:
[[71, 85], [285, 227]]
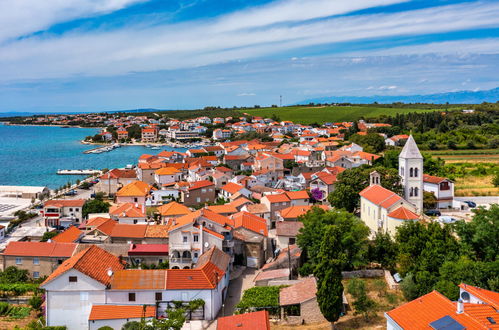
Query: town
[[259, 223]]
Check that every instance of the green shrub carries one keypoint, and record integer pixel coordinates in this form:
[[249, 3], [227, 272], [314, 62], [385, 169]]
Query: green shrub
[[259, 298], [35, 302]]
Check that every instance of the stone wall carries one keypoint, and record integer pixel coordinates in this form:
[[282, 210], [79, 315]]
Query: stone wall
[[364, 273]]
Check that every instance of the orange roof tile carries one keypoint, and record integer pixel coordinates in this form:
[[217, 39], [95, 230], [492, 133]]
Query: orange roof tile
[[277, 198], [113, 312], [127, 210], [433, 179], [419, 313], [65, 203], [403, 214], [70, 235], [223, 209], [173, 208], [137, 188], [157, 231], [139, 279], [294, 212], [201, 184], [93, 262], [251, 222], [380, 196], [40, 249], [301, 194], [118, 173], [232, 187], [248, 321], [167, 171], [126, 230], [298, 293]]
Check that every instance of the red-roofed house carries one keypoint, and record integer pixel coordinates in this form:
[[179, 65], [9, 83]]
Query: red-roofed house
[[274, 204], [114, 180], [442, 188], [38, 258], [248, 321], [115, 316], [63, 212], [476, 309]]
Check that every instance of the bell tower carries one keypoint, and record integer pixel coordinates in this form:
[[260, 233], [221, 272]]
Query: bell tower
[[411, 173]]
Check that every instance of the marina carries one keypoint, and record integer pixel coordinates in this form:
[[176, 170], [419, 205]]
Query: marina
[[78, 172], [102, 149]]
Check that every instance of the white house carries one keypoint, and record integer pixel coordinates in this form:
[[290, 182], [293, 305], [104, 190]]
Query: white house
[[167, 175], [442, 188], [95, 277], [129, 213]]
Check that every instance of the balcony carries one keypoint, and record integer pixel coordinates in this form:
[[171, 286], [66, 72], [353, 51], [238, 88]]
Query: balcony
[[180, 246], [180, 260]]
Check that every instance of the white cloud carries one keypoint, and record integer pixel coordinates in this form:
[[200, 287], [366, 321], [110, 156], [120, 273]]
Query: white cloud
[[246, 94], [216, 41], [21, 17], [385, 88]]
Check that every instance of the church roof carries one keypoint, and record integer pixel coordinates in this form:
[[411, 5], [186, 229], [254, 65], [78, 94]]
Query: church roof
[[410, 149]]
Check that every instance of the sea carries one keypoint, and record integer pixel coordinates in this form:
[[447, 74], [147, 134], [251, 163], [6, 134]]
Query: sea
[[31, 155]]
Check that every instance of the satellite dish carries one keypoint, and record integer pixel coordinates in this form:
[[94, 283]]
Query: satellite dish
[[465, 296], [206, 244]]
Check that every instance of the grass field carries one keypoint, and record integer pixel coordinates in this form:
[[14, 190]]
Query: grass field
[[467, 156], [475, 186], [321, 114]]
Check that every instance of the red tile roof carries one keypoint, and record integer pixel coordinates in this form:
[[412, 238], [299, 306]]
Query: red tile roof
[[173, 208], [272, 274], [250, 221], [288, 228], [70, 235], [93, 262], [433, 179], [490, 297], [298, 293], [128, 210], [126, 230], [277, 198], [301, 194], [232, 187], [380, 196], [40, 249], [65, 203], [201, 184], [419, 313], [113, 312], [294, 212], [118, 173], [403, 214], [139, 279], [248, 321]]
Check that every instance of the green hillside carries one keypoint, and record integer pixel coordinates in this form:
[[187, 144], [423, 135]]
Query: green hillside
[[317, 114]]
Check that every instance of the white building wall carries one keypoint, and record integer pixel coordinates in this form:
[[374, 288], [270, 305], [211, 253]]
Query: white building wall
[[116, 324]]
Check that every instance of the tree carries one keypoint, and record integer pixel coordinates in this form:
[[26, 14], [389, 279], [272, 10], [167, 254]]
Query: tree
[[479, 238], [95, 206], [352, 245], [13, 274], [48, 235], [373, 140], [383, 250], [429, 200], [352, 181], [134, 131], [328, 272], [362, 304], [495, 180]]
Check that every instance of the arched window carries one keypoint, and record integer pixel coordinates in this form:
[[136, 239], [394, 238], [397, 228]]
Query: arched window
[[416, 172], [411, 172], [416, 191], [411, 192], [402, 170]]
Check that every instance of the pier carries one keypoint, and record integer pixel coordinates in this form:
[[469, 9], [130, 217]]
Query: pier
[[102, 149], [78, 172]]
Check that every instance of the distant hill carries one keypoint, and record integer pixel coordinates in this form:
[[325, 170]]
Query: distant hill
[[461, 97], [26, 114]]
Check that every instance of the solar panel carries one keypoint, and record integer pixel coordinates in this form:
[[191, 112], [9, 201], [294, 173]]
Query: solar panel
[[491, 320], [446, 323]]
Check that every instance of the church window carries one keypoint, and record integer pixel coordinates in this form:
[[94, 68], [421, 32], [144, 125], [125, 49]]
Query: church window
[[416, 172], [411, 192], [411, 172], [402, 170], [416, 191]]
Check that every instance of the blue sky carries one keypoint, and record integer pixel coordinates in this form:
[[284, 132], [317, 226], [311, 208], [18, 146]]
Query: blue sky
[[91, 55]]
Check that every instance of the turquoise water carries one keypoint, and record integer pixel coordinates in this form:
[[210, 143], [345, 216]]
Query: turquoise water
[[31, 155]]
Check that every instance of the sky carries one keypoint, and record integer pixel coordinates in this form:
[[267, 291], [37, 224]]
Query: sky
[[95, 55]]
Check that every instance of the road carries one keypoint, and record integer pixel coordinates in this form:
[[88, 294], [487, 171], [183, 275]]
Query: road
[[480, 200]]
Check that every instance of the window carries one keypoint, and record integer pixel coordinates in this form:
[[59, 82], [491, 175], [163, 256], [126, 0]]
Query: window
[[36, 261], [135, 199], [416, 190], [402, 170], [185, 239], [203, 191], [445, 186], [19, 261], [196, 238], [131, 296], [411, 172], [159, 296], [196, 254], [73, 279], [292, 240], [77, 209], [135, 221], [59, 261], [198, 199], [416, 172], [70, 209], [411, 192], [36, 274]]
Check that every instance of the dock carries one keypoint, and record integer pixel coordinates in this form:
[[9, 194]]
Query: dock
[[78, 172], [102, 149]]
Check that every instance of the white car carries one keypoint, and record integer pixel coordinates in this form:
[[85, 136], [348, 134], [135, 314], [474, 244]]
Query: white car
[[446, 219]]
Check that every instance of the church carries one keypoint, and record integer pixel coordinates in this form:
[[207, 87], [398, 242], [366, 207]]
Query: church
[[382, 209]]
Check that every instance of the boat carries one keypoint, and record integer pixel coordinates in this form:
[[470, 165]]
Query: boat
[[155, 148], [148, 145]]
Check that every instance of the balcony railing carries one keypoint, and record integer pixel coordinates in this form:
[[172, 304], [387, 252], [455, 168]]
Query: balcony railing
[[180, 246], [180, 260]]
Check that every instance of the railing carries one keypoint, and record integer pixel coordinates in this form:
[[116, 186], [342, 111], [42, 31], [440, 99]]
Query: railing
[[181, 260], [180, 246]]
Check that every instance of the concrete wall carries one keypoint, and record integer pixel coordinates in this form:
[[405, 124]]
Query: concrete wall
[[115, 324]]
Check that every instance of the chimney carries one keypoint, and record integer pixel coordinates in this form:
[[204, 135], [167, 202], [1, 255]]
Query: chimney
[[460, 306], [136, 205]]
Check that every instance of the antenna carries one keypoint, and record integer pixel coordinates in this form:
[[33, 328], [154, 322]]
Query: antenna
[[280, 101]]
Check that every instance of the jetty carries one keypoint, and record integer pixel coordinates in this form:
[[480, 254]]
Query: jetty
[[78, 172], [102, 149]]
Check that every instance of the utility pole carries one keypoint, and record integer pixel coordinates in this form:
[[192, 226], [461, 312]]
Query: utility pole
[[280, 101]]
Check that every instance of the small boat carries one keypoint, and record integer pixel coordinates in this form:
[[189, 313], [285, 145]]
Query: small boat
[[148, 145], [155, 148]]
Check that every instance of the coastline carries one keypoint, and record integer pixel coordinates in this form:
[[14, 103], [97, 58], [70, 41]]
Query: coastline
[[6, 123], [143, 144]]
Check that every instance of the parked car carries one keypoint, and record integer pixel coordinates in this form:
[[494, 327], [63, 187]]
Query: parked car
[[470, 204], [433, 213], [70, 193], [446, 219]]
